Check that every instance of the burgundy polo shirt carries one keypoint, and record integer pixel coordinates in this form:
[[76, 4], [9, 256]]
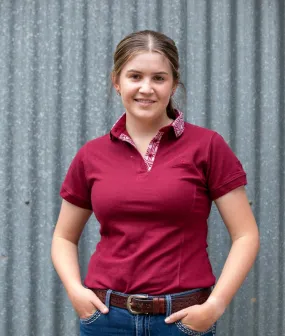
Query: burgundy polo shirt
[[152, 211]]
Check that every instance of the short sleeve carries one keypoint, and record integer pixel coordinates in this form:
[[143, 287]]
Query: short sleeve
[[75, 187], [224, 170]]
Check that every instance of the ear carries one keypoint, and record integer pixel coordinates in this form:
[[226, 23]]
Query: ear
[[115, 81], [174, 89]]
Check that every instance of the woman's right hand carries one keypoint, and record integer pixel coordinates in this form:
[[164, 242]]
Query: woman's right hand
[[85, 302]]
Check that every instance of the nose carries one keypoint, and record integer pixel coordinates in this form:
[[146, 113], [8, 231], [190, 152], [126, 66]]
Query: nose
[[146, 88]]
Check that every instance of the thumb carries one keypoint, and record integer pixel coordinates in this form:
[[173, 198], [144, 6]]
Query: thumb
[[99, 304], [176, 316]]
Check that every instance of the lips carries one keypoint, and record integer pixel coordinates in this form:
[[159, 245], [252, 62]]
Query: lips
[[145, 101]]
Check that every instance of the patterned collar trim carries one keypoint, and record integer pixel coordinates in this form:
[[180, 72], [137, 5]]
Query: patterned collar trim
[[120, 126]]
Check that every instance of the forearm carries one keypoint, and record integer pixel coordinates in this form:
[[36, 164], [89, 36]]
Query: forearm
[[65, 259], [239, 262]]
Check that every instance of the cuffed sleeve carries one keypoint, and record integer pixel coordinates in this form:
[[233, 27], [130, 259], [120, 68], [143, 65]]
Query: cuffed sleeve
[[75, 188], [224, 170]]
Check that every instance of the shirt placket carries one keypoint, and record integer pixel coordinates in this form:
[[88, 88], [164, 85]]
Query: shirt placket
[[151, 152]]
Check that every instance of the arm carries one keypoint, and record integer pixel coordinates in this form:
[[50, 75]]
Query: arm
[[64, 253], [239, 220], [237, 215]]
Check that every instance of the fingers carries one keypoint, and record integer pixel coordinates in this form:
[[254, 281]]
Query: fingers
[[176, 316], [99, 304]]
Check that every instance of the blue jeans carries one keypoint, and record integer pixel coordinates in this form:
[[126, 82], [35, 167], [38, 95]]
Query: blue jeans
[[120, 321]]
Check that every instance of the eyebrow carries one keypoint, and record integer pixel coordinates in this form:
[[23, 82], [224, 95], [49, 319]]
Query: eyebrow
[[154, 73]]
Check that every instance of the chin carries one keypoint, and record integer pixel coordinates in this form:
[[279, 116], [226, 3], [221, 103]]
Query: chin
[[145, 113]]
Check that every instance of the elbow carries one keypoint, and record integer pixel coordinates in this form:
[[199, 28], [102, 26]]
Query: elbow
[[256, 239], [258, 242], [250, 241], [254, 242], [52, 249]]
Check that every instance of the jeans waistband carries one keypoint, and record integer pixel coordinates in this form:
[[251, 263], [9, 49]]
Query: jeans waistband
[[168, 297], [162, 295]]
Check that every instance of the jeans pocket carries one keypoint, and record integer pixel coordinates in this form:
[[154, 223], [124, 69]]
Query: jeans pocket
[[91, 318], [188, 331]]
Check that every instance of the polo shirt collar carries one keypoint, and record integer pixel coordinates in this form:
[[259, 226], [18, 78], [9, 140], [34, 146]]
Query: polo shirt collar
[[177, 125]]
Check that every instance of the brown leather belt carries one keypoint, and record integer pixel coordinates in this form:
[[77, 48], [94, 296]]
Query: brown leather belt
[[142, 304]]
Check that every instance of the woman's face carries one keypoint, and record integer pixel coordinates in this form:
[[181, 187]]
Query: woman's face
[[146, 85]]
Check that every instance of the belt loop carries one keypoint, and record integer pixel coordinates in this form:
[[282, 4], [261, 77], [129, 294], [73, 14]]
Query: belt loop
[[168, 305], [107, 298]]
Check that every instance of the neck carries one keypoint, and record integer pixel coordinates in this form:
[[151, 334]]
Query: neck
[[145, 129]]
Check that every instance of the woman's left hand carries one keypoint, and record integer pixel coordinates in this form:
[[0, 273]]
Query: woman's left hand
[[198, 317]]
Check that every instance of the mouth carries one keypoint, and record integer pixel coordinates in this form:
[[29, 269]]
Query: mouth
[[145, 101]]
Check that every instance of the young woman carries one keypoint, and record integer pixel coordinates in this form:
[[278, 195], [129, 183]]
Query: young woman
[[150, 183]]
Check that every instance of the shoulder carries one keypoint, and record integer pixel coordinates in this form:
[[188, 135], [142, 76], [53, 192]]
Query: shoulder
[[202, 136], [96, 144], [196, 130], [204, 141], [92, 147]]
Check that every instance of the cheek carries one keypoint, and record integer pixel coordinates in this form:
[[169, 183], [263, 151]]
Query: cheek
[[166, 91], [128, 91], [167, 95]]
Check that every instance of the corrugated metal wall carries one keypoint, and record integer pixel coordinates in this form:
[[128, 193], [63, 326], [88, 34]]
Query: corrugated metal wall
[[55, 60]]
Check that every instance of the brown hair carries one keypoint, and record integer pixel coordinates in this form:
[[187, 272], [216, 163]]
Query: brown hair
[[152, 41]]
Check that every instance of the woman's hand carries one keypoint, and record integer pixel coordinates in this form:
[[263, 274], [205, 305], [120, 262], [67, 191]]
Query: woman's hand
[[199, 317], [85, 302]]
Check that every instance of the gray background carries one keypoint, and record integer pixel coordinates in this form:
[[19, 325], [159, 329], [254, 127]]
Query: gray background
[[55, 61]]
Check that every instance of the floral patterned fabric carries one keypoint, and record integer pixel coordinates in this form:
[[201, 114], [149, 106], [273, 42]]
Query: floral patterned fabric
[[177, 125]]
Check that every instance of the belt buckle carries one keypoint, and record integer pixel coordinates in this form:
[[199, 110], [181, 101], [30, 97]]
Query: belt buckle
[[129, 300]]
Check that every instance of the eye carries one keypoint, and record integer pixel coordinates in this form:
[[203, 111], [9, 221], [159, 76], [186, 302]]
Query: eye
[[135, 76], [159, 78]]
